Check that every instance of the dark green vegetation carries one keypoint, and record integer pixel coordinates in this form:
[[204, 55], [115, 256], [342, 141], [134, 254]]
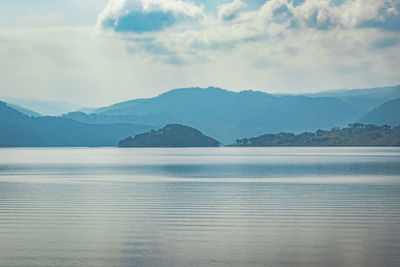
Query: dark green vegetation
[[20, 130], [356, 134], [172, 135], [387, 113]]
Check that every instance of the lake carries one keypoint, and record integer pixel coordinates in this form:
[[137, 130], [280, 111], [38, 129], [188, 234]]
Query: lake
[[200, 207]]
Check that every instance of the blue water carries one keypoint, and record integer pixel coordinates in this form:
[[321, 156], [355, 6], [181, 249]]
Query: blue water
[[200, 207]]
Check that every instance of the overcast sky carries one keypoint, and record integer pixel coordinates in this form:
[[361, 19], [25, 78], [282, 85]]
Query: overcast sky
[[97, 52]]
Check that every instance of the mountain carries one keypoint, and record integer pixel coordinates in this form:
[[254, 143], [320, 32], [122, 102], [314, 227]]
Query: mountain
[[363, 100], [94, 118], [229, 115], [223, 114], [387, 113], [44, 107], [25, 110], [172, 135], [20, 130], [87, 110], [355, 135]]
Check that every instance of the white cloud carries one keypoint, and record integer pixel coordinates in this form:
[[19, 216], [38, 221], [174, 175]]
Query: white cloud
[[284, 43], [147, 15], [351, 13], [278, 47], [231, 10]]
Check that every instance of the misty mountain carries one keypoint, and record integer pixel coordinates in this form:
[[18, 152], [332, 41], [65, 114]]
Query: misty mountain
[[228, 115], [25, 110], [363, 99], [94, 118], [387, 113], [18, 129], [44, 107]]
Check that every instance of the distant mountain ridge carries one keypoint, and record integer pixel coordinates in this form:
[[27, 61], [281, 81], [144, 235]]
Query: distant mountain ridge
[[219, 113], [25, 110], [363, 99], [387, 113], [20, 130], [43, 107], [228, 115]]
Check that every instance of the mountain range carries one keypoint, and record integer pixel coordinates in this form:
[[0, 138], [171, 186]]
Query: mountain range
[[227, 115], [224, 115], [363, 99], [20, 130], [38, 107], [387, 113]]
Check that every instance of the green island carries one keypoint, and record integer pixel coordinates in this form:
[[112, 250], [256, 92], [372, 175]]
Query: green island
[[172, 135], [355, 134]]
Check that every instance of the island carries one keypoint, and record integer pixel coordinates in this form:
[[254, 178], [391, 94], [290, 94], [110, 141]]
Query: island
[[355, 134], [172, 135]]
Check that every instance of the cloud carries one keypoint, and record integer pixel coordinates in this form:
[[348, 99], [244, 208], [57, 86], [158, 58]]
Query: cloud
[[139, 16], [385, 42], [231, 10], [159, 32], [387, 17], [326, 14], [144, 47]]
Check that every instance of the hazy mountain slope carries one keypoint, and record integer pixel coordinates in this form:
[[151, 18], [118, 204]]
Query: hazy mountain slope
[[17, 129], [387, 113], [44, 107], [363, 99], [25, 110], [228, 115], [95, 118]]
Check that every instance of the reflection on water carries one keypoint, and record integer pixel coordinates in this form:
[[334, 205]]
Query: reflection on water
[[200, 207]]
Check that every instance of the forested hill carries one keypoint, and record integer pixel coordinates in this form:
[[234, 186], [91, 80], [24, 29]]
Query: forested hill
[[355, 135], [172, 135]]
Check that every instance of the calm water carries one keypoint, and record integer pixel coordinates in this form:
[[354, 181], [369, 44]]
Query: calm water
[[200, 207]]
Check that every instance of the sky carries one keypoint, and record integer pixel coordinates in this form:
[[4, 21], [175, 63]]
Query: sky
[[98, 52]]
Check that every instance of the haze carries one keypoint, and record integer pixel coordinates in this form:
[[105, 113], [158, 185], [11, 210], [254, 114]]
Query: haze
[[95, 52]]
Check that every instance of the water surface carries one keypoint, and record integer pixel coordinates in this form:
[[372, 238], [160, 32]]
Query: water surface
[[200, 207]]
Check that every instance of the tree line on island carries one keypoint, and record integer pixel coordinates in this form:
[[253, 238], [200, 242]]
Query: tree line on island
[[357, 134], [172, 135]]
